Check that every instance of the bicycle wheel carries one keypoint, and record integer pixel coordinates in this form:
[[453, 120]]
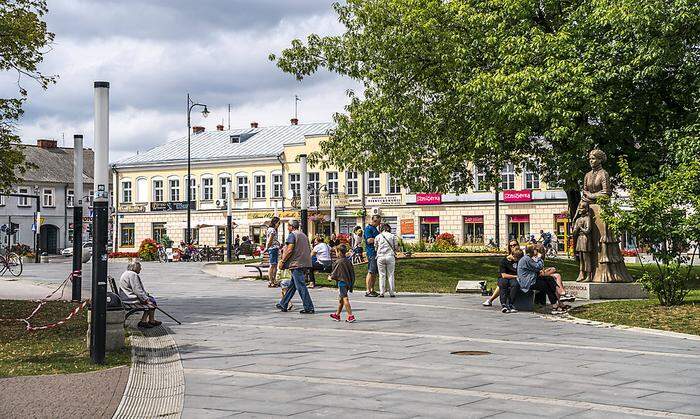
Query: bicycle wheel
[[14, 264]]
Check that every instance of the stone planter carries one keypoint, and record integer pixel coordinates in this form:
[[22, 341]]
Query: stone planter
[[115, 330], [27, 259]]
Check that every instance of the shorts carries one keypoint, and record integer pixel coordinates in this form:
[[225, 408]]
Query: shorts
[[342, 291], [274, 256], [372, 265]]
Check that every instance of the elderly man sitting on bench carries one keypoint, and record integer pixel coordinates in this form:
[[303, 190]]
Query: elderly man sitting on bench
[[132, 288]]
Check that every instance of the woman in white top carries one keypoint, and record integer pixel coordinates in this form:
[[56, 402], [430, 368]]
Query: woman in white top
[[320, 260], [386, 245]]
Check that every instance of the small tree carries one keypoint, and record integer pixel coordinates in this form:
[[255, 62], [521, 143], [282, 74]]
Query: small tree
[[148, 251], [664, 215]]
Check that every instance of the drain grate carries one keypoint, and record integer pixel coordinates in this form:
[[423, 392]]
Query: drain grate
[[466, 353]]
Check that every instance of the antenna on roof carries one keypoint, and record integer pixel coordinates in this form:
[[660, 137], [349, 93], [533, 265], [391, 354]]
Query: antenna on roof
[[297, 99], [229, 117]]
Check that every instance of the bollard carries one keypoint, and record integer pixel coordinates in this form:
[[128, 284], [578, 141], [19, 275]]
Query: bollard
[[44, 258]]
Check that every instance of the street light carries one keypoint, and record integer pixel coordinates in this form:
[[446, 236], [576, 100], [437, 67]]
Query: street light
[[191, 105]]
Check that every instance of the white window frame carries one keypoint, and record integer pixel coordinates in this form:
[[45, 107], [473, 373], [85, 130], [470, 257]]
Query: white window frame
[[70, 198], [479, 179], [277, 179], [332, 182], [127, 192], [207, 182], [174, 190], [139, 192], [259, 185], [393, 187], [508, 177], [156, 189], [352, 183], [533, 182], [48, 200], [295, 183], [314, 188], [23, 201], [374, 183], [224, 178], [242, 186], [192, 184]]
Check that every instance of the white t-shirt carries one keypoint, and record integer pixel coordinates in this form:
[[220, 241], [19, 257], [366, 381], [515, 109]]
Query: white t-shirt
[[323, 251]]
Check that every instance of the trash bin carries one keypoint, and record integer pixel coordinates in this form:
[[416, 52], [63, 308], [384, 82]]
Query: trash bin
[[44, 258], [115, 324]]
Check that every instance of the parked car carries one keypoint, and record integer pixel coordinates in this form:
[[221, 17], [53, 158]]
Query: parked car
[[68, 251]]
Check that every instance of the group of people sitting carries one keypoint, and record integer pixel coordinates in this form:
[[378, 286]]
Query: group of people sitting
[[522, 271]]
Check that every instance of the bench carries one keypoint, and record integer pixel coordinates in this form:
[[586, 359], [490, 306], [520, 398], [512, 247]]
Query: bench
[[525, 301], [263, 264], [133, 306]]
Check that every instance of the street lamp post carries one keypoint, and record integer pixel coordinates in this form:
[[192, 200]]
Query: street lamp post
[[190, 105]]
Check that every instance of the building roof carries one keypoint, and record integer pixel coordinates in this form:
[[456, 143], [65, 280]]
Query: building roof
[[217, 145], [55, 164]]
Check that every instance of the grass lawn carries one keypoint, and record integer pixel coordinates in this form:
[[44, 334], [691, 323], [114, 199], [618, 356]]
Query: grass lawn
[[53, 351], [647, 313]]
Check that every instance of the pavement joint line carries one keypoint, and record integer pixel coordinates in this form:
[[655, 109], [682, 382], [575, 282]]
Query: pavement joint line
[[446, 390], [633, 352], [568, 318]]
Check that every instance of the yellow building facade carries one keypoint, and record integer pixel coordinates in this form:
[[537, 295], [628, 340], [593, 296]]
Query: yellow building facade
[[262, 167]]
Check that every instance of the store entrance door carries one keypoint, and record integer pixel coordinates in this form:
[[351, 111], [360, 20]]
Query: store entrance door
[[562, 232]]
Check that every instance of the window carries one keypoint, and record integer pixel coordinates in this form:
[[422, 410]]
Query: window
[[70, 198], [207, 188], [373, 183], [508, 176], [519, 227], [473, 229], [193, 189], [2, 200], [479, 179], [127, 236], [332, 178], [351, 183], [23, 201], [220, 235], [532, 180], [259, 181], [158, 190], [126, 191], [242, 182], [223, 181], [295, 183], [141, 190], [174, 186], [314, 186], [48, 197], [194, 235], [158, 231], [394, 187], [277, 185]]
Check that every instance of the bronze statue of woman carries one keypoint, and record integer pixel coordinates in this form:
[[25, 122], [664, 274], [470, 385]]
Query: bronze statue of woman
[[608, 265]]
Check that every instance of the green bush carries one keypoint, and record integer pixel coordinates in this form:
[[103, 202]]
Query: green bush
[[165, 241], [670, 285]]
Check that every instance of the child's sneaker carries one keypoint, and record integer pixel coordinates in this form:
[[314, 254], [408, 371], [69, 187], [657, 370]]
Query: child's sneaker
[[486, 303], [504, 309], [335, 317], [351, 319]]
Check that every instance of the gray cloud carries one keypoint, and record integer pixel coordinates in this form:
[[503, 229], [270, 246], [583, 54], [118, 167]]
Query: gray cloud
[[154, 52]]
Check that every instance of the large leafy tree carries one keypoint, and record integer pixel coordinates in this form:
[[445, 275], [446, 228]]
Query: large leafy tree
[[23, 42], [448, 82]]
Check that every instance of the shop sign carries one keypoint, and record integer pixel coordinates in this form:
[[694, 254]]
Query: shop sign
[[524, 195], [132, 208], [428, 198], [383, 200], [171, 206], [270, 214], [564, 217], [474, 219], [339, 200], [346, 213], [430, 220], [407, 227], [519, 218], [354, 200]]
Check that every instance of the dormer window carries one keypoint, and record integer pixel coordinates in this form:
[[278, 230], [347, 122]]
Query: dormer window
[[236, 139], [241, 138]]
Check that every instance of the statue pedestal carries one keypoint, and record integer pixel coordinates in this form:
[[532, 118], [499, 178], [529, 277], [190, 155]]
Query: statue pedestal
[[606, 290]]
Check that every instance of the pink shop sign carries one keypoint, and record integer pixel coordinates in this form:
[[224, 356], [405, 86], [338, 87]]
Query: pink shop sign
[[524, 195], [428, 198]]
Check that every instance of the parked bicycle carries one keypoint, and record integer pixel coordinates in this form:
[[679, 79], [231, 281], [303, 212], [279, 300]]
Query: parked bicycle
[[11, 262], [162, 255]]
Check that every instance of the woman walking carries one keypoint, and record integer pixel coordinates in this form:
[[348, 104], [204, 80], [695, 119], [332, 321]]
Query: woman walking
[[272, 247], [386, 245]]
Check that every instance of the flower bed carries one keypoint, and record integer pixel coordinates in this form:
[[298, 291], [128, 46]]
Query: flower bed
[[115, 255]]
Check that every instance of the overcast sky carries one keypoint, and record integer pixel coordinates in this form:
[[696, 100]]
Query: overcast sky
[[155, 51]]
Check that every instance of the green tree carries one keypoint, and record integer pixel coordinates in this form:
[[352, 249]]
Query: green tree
[[536, 83], [23, 42]]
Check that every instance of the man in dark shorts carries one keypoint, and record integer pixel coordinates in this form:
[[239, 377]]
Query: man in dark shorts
[[508, 280], [371, 231]]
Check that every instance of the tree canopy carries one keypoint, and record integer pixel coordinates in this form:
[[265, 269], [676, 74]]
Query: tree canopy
[[23, 39], [493, 81]]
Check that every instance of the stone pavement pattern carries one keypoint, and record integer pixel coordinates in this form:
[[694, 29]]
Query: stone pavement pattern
[[242, 357]]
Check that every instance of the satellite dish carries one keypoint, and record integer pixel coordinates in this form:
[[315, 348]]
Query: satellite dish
[[290, 194]]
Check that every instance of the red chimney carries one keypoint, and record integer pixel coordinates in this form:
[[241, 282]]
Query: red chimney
[[253, 124], [197, 130], [219, 127], [295, 121], [46, 143]]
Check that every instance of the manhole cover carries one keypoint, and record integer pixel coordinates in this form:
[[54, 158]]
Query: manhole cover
[[470, 353]]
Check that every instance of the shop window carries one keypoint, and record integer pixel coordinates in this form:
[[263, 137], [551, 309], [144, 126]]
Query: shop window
[[429, 228], [519, 228], [277, 185], [508, 177], [393, 223], [220, 235], [473, 229], [394, 187], [532, 180], [194, 235], [158, 231], [351, 183], [127, 235], [332, 178], [174, 186], [207, 188], [48, 197], [373, 183], [223, 181], [242, 185], [259, 181], [23, 201], [158, 190], [346, 225], [71, 233], [126, 191], [295, 183]]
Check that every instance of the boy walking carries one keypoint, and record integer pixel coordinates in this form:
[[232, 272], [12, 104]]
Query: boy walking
[[344, 273]]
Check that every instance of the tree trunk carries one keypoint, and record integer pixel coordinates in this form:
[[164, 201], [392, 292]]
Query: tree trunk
[[573, 198]]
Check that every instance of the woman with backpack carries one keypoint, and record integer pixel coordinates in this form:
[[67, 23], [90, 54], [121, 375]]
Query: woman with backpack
[[386, 245]]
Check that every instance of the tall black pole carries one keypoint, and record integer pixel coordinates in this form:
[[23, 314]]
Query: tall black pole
[[37, 233], [98, 320], [189, 174], [498, 221], [77, 280], [229, 219], [304, 215]]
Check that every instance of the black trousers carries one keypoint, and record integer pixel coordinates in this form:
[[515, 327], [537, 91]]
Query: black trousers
[[548, 287], [509, 290], [318, 266]]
